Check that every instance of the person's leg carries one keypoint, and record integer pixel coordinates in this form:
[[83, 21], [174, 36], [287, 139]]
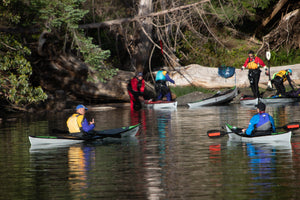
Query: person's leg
[[251, 81], [132, 99], [158, 91], [278, 83], [169, 96], [282, 89], [256, 80]]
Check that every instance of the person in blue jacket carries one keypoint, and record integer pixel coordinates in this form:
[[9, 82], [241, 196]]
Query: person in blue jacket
[[261, 122], [161, 87]]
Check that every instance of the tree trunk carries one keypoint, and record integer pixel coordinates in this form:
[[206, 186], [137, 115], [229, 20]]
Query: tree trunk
[[142, 47]]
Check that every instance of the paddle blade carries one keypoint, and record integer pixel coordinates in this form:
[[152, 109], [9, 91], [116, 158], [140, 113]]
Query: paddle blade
[[292, 126], [216, 133]]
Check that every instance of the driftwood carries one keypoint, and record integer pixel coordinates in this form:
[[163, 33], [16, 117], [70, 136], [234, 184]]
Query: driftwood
[[277, 8], [287, 33], [137, 18]]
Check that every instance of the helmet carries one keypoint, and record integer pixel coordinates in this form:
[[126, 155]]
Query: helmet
[[289, 71]]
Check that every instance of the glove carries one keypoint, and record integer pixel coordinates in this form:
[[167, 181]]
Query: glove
[[267, 73]]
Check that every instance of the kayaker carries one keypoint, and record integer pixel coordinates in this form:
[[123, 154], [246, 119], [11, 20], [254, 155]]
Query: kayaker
[[261, 122], [78, 124], [279, 78], [136, 88], [161, 87], [253, 63]]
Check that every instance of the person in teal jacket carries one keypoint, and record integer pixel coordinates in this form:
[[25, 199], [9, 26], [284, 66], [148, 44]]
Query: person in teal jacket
[[161, 87], [261, 122]]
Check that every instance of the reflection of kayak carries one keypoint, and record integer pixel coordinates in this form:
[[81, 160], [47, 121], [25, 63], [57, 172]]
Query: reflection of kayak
[[237, 135], [270, 100], [217, 99], [160, 104], [64, 140]]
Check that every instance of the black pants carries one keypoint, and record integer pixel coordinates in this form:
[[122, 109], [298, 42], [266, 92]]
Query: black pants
[[161, 89], [278, 82], [253, 76]]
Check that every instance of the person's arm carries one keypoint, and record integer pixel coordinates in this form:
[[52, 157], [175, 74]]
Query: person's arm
[[252, 123], [246, 63], [86, 127], [290, 81], [169, 79], [273, 124], [259, 61], [142, 89]]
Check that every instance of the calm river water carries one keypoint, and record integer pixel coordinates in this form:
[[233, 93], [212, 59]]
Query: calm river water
[[171, 158]]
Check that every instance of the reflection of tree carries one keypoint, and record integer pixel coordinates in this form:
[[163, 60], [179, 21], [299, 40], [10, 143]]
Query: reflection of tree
[[279, 115]]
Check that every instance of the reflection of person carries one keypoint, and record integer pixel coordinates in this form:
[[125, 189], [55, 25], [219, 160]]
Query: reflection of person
[[252, 63], [279, 78], [261, 122], [136, 88], [161, 87], [78, 124]]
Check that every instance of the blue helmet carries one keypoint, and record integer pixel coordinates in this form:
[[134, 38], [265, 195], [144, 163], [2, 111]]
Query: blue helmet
[[289, 71]]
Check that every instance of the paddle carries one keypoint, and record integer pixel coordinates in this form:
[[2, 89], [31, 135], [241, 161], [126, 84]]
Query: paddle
[[216, 133], [291, 126], [219, 133], [268, 56]]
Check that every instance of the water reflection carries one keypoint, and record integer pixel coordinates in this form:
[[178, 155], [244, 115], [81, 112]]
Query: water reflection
[[172, 159], [261, 165], [80, 161], [156, 163]]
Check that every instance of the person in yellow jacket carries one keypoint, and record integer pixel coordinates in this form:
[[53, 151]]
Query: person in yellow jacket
[[78, 124], [279, 78]]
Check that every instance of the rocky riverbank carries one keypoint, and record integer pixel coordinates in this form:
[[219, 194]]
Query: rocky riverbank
[[208, 78]]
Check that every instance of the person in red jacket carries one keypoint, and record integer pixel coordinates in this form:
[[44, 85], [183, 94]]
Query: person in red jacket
[[136, 88], [253, 63]]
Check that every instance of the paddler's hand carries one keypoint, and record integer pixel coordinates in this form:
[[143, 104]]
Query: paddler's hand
[[243, 130], [92, 122], [141, 98]]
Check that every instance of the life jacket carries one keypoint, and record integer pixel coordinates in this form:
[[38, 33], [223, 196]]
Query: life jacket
[[252, 64], [74, 123], [161, 75], [281, 74], [264, 123]]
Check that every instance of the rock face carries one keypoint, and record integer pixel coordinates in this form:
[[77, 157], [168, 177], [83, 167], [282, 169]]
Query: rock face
[[208, 77]]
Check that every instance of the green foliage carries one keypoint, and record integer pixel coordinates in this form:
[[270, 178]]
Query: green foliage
[[284, 57], [15, 72], [211, 53], [233, 11], [62, 17], [95, 57]]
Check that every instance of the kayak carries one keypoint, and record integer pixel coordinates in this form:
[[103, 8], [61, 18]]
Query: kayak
[[250, 101], [217, 99], [160, 104], [123, 132], [235, 134]]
